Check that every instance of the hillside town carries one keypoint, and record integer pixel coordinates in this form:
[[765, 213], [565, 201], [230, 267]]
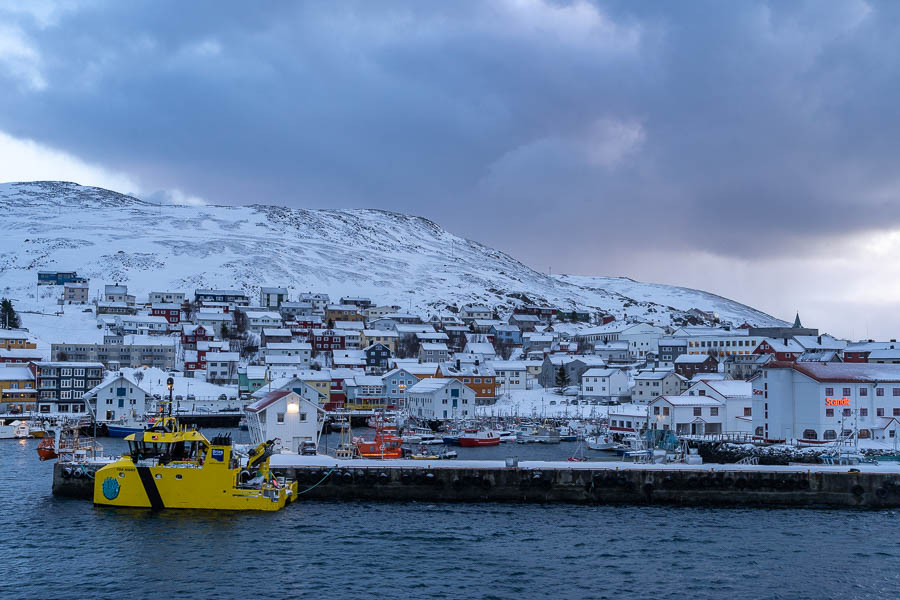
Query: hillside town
[[225, 349]]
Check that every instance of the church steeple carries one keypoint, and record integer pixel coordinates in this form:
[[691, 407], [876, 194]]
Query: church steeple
[[797, 324]]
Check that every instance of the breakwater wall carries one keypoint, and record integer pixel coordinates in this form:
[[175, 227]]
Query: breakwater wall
[[716, 485]]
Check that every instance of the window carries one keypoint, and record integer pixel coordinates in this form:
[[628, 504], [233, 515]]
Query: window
[[863, 391], [665, 411], [830, 434], [279, 417], [879, 412], [810, 434], [879, 391], [655, 410], [714, 411], [846, 392], [66, 383], [846, 412], [829, 391], [829, 412], [895, 391], [864, 412], [897, 412], [697, 411], [79, 372], [748, 411]]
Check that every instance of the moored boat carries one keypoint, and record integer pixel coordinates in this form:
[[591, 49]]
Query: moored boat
[[472, 438], [169, 466]]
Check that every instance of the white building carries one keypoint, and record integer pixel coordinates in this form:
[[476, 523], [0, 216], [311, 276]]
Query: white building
[[272, 297], [628, 418], [816, 402], [286, 416], [604, 385], [167, 298], [433, 352], [613, 352], [470, 312], [118, 396], [256, 321], [221, 367], [718, 342], [642, 338], [511, 374], [735, 395], [301, 349], [688, 415], [650, 383], [142, 324], [440, 398]]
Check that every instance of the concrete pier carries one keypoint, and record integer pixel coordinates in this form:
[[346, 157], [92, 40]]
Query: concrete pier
[[594, 483], [326, 478]]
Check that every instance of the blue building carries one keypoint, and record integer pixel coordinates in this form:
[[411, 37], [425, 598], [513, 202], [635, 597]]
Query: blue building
[[59, 277], [507, 334]]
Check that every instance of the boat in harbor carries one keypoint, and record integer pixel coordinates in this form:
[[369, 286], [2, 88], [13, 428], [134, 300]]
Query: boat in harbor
[[15, 429], [506, 436], [543, 434], [170, 466], [473, 438], [386, 444], [602, 442]]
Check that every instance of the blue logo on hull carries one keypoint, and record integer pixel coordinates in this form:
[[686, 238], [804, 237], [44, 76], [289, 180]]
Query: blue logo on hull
[[111, 488]]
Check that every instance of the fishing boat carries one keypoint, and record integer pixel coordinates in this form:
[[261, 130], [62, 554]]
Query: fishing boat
[[422, 453], [36, 429], [472, 438], [538, 435], [567, 434], [385, 445], [125, 426], [170, 466], [13, 429], [602, 442], [506, 436], [451, 438]]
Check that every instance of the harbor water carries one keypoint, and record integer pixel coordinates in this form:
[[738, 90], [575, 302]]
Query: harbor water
[[62, 548]]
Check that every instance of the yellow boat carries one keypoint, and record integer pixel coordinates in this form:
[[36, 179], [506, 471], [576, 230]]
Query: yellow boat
[[169, 466]]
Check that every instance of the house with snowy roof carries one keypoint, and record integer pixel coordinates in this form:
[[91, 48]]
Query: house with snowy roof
[[688, 415], [440, 398], [291, 418], [604, 385], [688, 365], [822, 402]]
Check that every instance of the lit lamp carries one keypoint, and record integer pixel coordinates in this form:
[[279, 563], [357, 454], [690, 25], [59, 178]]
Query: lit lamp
[[293, 407]]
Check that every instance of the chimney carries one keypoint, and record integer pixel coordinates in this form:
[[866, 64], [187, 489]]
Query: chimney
[[820, 339]]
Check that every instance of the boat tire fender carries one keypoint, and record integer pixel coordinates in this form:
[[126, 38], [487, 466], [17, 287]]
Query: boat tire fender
[[881, 493], [66, 473]]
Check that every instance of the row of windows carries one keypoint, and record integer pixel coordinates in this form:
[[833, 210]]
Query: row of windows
[[720, 343], [829, 391], [863, 412]]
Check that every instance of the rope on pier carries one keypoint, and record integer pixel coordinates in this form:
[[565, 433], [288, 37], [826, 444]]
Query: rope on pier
[[318, 482]]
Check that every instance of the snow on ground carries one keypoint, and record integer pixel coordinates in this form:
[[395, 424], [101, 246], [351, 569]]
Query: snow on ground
[[154, 381], [540, 403], [390, 257]]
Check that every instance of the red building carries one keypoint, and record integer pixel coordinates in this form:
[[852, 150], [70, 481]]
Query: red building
[[170, 312], [191, 334], [327, 339], [784, 349]]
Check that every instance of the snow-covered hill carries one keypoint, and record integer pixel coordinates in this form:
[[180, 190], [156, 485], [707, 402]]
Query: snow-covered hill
[[390, 257]]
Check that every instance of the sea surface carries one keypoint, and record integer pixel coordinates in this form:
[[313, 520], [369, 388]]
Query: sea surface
[[55, 548]]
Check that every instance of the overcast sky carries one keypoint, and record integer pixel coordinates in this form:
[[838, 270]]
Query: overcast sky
[[749, 149]]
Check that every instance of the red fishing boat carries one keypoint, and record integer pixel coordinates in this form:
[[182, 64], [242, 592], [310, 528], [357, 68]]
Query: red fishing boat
[[472, 438], [47, 448], [387, 444]]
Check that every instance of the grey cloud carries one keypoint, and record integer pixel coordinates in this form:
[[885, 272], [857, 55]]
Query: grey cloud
[[745, 129]]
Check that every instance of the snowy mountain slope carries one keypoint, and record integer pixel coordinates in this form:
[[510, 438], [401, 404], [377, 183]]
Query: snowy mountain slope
[[390, 257]]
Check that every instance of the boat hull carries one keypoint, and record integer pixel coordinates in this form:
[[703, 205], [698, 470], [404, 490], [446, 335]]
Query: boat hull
[[478, 442], [124, 484], [120, 431]]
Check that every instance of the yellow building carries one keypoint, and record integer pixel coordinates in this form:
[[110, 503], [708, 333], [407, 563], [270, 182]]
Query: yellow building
[[378, 336], [17, 392], [342, 312], [12, 339]]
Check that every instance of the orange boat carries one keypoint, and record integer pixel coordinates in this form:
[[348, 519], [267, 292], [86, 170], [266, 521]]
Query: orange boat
[[385, 445], [47, 448]]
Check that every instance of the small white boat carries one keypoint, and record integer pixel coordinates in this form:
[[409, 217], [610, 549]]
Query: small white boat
[[600, 442], [506, 436]]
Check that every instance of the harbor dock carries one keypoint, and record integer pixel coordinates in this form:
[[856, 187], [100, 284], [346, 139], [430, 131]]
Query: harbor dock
[[327, 478]]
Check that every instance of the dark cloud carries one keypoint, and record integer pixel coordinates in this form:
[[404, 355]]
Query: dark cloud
[[568, 134]]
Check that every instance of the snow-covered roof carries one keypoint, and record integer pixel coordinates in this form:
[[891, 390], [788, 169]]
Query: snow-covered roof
[[223, 356], [480, 348], [692, 359], [432, 384], [599, 373], [147, 340], [688, 400], [885, 354], [731, 388], [844, 372], [380, 333], [289, 346], [434, 347], [276, 332], [280, 359], [653, 374], [15, 374]]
